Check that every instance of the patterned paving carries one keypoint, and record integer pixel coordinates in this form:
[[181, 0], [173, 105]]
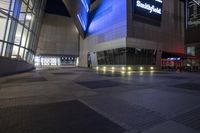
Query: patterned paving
[[190, 119], [173, 77], [63, 73], [25, 80], [64, 117], [188, 86], [132, 117], [109, 74], [100, 84], [79, 100]]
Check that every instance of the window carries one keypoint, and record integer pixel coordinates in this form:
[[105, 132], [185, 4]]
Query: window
[[4, 5], [15, 8], [28, 19], [18, 34], [31, 4], [129, 56], [191, 51], [24, 37], [3, 19], [1, 46], [15, 52], [25, 54], [8, 29], [21, 52], [19, 23]]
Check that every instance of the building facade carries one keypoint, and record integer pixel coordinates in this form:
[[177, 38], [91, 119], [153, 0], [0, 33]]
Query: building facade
[[130, 32], [20, 22], [58, 44], [192, 33]]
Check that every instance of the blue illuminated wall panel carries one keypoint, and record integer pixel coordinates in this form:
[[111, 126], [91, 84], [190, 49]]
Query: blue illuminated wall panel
[[79, 10], [108, 22]]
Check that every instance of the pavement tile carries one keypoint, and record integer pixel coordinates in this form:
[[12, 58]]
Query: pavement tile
[[170, 127], [63, 117]]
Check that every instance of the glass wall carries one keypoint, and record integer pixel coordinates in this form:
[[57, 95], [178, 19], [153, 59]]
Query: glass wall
[[20, 22], [127, 56], [193, 13]]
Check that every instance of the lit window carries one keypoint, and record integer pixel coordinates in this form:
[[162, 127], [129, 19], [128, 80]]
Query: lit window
[[191, 51]]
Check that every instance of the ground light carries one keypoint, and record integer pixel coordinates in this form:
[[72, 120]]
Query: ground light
[[123, 72], [104, 68], [97, 68], [123, 68], [113, 68], [129, 68], [129, 73], [151, 68], [141, 68]]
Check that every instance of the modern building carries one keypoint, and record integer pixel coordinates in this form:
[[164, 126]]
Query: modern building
[[20, 22], [128, 32], [192, 33], [59, 38], [91, 33]]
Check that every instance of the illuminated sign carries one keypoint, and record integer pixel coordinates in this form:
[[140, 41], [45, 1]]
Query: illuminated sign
[[193, 13], [174, 59], [148, 8]]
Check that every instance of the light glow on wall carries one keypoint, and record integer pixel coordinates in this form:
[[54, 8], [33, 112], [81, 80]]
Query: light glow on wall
[[108, 14], [85, 4], [160, 1], [81, 21]]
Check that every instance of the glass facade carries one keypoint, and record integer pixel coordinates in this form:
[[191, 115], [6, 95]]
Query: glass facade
[[193, 12], [127, 56], [20, 23]]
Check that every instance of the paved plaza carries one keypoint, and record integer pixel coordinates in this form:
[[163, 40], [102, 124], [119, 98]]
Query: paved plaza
[[80, 100]]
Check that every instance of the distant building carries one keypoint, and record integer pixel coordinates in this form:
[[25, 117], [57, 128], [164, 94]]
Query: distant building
[[193, 33]]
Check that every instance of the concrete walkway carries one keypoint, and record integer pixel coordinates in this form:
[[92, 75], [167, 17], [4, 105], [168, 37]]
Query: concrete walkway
[[78, 100]]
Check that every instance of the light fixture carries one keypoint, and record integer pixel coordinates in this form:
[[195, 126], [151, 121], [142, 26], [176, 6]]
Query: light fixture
[[129, 73], [152, 68], [141, 68], [123, 72], [81, 21], [129, 68], [123, 68]]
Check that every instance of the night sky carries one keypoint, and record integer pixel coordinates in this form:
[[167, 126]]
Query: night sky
[[56, 7]]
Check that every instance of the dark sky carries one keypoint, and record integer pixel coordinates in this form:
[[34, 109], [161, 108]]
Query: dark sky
[[56, 7]]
